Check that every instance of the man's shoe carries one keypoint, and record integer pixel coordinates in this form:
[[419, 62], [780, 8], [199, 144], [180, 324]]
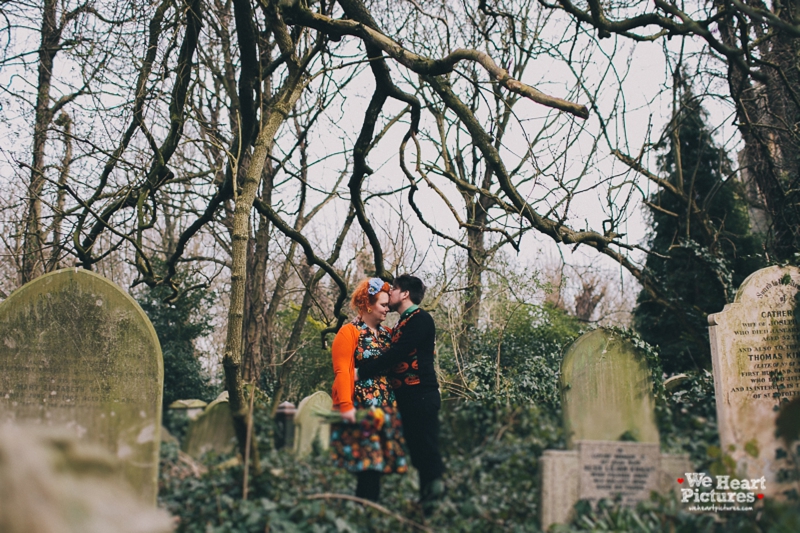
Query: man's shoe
[[432, 494], [437, 489]]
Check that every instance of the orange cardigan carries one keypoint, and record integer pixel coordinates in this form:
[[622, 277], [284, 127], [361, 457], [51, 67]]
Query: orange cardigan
[[344, 367]]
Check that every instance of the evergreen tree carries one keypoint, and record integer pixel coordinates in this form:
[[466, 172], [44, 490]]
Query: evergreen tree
[[703, 254], [179, 325]]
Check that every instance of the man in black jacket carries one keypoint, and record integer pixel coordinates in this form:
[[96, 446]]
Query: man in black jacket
[[408, 365]]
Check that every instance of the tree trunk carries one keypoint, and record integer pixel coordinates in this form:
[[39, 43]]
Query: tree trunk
[[32, 253], [64, 122], [477, 212], [767, 112], [256, 305], [232, 359], [471, 306]]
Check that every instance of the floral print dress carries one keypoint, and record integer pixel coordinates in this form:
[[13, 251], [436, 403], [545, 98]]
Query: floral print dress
[[376, 441]]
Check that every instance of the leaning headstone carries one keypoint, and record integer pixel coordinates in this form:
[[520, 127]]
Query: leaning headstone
[[755, 354], [212, 431], [77, 351], [309, 428], [613, 440]]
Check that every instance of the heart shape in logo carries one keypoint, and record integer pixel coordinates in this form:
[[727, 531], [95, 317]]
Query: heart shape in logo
[[680, 480], [760, 496]]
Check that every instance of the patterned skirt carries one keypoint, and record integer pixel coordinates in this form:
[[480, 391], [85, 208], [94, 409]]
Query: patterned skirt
[[375, 442]]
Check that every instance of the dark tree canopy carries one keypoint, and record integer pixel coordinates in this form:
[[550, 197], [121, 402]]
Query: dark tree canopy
[[700, 256], [179, 325]]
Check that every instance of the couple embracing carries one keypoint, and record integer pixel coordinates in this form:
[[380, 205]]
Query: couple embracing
[[389, 376]]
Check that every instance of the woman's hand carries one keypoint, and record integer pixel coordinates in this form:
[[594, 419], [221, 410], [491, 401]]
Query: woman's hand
[[349, 416]]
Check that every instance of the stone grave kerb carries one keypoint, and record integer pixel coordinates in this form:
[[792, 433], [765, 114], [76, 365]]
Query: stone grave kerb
[[76, 350]]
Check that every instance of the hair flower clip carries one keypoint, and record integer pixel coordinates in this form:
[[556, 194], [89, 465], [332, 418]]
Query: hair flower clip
[[375, 286]]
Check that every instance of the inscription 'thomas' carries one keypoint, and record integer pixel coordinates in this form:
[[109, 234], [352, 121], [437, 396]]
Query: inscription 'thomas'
[[755, 347]]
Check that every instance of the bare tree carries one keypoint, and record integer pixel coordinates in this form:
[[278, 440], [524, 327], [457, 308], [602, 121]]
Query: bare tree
[[204, 151], [756, 45]]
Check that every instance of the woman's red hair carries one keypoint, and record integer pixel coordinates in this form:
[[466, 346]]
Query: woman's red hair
[[362, 300]]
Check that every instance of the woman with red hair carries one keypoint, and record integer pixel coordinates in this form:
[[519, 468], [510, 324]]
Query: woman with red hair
[[372, 444]]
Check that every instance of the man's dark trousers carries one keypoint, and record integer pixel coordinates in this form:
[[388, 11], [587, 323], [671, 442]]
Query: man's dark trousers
[[420, 416]]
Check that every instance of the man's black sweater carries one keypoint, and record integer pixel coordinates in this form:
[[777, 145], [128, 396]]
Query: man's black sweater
[[408, 364]]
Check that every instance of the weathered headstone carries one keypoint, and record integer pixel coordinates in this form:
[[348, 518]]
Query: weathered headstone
[[212, 430], [309, 427], [77, 351], [613, 440], [676, 381], [187, 404], [606, 390], [755, 354]]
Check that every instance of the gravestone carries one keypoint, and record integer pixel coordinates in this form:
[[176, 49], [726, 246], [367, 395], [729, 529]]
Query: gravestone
[[187, 404], [77, 351], [606, 390], [612, 437], [212, 430], [755, 355], [309, 428]]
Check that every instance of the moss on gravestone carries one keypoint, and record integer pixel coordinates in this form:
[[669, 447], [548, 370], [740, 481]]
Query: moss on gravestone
[[606, 390], [77, 351]]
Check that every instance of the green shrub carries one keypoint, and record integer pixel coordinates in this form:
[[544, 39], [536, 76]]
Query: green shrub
[[668, 515], [179, 325], [692, 420], [492, 483]]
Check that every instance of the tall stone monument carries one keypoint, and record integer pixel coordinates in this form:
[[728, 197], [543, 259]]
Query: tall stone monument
[[612, 437], [309, 427], [77, 351], [755, 354]]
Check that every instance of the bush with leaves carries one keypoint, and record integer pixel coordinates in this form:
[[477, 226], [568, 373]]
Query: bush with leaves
[[692, 423], [668, 515], [492, 486], [518, 361]]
